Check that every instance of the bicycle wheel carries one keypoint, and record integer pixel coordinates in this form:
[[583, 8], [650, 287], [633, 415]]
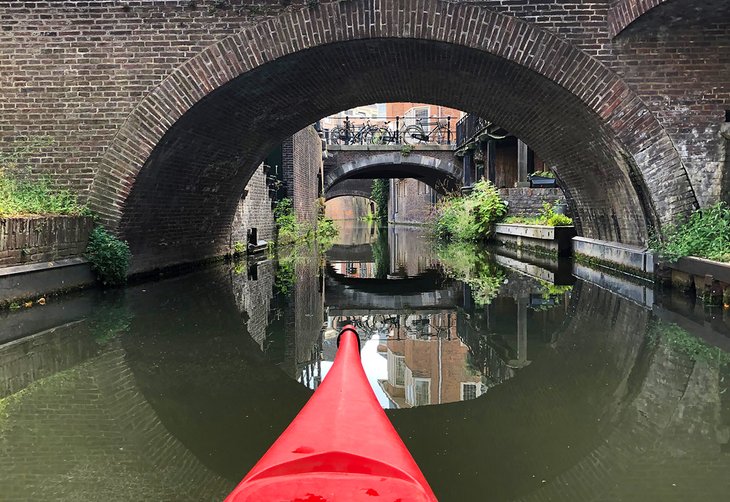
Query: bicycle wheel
[[380, 136], [337, 135], [414, 135]]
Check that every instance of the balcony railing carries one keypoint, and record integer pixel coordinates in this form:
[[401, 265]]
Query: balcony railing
[[390, 131]]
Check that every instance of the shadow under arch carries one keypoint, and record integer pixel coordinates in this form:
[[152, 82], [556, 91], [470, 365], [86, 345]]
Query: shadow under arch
[[170, 180]]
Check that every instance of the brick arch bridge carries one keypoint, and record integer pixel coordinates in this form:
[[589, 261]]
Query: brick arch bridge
[[438, 168], [350, 188], [160, 111]]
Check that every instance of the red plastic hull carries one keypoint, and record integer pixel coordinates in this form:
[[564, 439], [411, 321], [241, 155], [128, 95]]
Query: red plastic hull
[[340, 447]]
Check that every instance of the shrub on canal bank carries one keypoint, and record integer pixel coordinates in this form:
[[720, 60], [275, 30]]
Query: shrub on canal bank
[[680, 340], [291, 231], [547, 217], [470, 217], [706, 234], [109, 257]]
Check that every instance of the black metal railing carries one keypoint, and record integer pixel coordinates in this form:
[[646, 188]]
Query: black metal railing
[[470, 126], [390, 131]]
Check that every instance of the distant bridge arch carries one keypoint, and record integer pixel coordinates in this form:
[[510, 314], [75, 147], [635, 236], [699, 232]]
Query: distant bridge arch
[[439, 169]]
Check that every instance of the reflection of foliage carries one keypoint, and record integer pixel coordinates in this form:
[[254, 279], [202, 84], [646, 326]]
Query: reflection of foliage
[[469, 263], [110, 319], [705, 234], [285, 273], [471, 217], [549, 292], [381, 194], [381, 254], [682, 341]]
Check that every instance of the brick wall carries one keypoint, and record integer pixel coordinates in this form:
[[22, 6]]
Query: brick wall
[[36, 239], [254, 211], [302, 158], [529, 201], [411, 201], [619, 117]]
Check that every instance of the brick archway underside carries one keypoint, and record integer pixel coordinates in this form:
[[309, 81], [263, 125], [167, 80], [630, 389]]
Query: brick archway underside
[[170, 181], [438, 173]]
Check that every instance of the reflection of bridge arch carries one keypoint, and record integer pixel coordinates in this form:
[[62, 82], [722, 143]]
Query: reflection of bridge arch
[[440, 172]]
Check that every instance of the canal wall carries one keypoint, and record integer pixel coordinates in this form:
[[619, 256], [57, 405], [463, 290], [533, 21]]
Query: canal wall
[[302, 160], [411, 202], [36, 239], [529, 201], [254, 211]]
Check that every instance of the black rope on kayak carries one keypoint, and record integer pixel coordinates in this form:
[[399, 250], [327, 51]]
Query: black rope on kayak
[[345, 330]]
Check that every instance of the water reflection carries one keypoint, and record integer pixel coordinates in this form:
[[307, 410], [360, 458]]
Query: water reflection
[[536, 386]]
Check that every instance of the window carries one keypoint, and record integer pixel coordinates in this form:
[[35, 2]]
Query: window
[[416, 113], [471, 390], [396, 369], [418, 390]]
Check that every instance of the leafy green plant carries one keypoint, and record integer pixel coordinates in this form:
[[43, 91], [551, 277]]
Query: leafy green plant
[[706, 233], [109, 257], [21, 194], [406, 149], [544, 174], [239, 248], [471, 264], [470, 217], [381, 194], [293, 232], [547, 217]]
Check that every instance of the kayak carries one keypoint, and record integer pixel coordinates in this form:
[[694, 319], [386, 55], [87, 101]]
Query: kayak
[[340, 447]]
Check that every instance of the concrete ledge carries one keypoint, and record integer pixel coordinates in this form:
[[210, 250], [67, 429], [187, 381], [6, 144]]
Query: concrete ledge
[[702, 267], [621, 257], [553, 240], [39, 279]]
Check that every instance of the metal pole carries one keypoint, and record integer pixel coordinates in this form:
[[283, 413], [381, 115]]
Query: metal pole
[[397, 130], [448, 133], [347, 130]]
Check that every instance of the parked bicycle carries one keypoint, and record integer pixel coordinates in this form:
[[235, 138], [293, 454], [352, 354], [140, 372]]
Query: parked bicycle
[[416, 133], [348, 135]]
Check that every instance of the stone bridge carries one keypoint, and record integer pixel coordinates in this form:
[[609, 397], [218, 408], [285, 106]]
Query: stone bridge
[[158, 112], [350, 187], [433, 164]]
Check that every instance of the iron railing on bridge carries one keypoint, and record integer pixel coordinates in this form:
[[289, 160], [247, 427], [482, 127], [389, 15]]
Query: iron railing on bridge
[[470, 126], [390, 131]]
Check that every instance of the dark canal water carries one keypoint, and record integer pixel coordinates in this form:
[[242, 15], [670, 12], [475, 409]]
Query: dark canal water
[[508, 378]]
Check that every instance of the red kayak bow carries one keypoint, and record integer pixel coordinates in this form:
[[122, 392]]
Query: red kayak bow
[[340, 447]]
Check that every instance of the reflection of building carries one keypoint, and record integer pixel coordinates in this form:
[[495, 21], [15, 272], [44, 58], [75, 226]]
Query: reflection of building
[[428, 363]]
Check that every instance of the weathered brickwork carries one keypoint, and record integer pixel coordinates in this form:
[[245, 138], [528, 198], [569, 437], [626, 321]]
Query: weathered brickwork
[[529, 201], [31, 240], [254, 211], [411, 201], [628, 117], [302, 157]]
